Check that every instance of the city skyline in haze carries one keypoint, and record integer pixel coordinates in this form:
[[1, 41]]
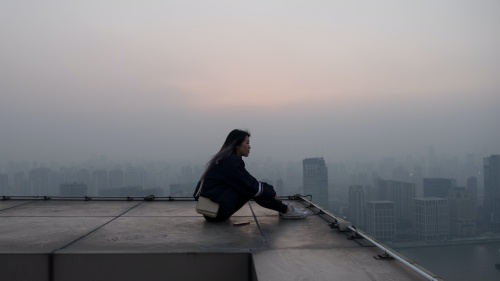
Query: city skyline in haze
[[170, 79]]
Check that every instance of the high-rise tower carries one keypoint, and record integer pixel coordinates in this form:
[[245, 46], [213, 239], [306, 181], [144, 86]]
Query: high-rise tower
[[438, 187], [315, 178], [357, 205]]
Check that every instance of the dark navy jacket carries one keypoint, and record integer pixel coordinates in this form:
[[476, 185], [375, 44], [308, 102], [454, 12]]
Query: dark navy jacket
[[228, 177]]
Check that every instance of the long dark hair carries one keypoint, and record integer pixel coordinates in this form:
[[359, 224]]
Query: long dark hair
[[235, 138]]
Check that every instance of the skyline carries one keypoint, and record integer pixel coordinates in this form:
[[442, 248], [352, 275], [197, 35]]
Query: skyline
[[170, 79]]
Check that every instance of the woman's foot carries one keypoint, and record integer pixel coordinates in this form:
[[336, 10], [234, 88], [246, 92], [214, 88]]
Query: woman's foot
[[293, 213]]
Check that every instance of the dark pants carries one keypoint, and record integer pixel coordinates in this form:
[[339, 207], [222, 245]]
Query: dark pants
[[229, 207]]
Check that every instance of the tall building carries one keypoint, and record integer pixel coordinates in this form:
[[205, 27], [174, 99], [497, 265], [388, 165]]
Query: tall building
[[381, 219], [401, 193], [315, 176], [357, 205], [491, 166], [431, 218], [437, 187], [462, 212]]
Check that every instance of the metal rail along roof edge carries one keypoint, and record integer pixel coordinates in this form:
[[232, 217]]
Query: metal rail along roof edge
[[346, 226]]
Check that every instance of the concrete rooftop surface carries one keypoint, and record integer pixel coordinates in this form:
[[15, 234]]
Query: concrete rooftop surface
[[167, 240]]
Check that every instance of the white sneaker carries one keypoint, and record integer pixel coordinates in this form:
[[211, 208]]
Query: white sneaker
[[294, 213]]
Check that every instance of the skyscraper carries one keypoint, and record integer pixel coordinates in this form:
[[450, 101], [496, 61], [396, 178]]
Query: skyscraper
[[491, 166], [462, 212], [431, 218], [437, 187], [357, 205], [381, 219], [315, 176], [401, 193]]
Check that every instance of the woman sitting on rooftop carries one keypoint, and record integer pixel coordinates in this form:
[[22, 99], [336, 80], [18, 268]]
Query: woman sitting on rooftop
[[228, 183]]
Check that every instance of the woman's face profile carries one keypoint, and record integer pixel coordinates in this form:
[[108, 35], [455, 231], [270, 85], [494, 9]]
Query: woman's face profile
[[243, 149]]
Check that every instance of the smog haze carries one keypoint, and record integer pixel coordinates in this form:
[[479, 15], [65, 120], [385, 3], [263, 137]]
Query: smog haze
[[170, 79]]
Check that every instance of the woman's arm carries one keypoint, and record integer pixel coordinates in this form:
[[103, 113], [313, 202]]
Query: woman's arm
[[241, 180]]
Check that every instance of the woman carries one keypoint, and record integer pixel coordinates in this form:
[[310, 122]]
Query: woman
[[228, 183]]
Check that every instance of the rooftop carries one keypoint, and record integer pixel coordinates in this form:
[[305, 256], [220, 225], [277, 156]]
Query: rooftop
[[167, 240]]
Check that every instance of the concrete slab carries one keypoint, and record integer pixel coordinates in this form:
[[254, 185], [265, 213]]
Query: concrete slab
[[44, 234], [171, 234], [312, 232], [81, 237], [328, 265], [7, 204], [24, 267], [153, 267]]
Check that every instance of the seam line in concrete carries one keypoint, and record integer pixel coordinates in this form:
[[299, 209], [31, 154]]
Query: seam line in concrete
[[95, 229], [17, 206], [258, 226]]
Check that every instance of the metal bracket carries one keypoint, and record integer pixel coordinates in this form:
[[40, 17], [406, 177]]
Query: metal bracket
[[383, 256], [354, 236]]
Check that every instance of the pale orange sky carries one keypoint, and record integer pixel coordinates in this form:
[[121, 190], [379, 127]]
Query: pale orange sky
[[172, 78]]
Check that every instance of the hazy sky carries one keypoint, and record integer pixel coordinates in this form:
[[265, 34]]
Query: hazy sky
[[169, 79]]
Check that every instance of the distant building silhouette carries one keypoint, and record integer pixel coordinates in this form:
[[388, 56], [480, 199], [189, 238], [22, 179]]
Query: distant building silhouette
[[381, 219], [116, 179], [315, 177], [83, 176], [438, 187], [472, 187], [100, 181], [73, 190], [357, 205], [39, 181], [135, 176], [401, 193], [131, 191], [462, 212], [491, 166], [431, 218], [21, 184]]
